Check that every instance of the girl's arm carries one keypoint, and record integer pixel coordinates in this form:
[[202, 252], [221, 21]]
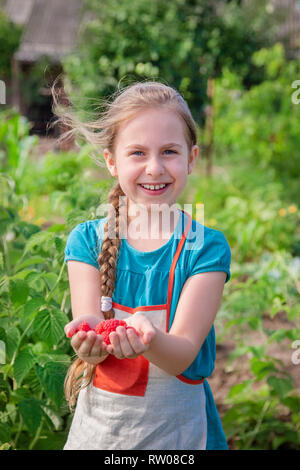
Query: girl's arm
[[175, 351], [197, 308]]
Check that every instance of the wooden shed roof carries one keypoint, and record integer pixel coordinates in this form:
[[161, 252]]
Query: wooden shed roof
[[290, 29], [50, 27], [18, 10]]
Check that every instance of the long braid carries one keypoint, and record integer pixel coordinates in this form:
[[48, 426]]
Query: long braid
[[108, 257]]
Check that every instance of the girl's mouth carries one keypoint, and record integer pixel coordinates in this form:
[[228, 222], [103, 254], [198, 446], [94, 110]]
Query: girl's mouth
[[151, 189]]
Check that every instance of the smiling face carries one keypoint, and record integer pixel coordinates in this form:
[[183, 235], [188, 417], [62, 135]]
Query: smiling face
[[152, 148]]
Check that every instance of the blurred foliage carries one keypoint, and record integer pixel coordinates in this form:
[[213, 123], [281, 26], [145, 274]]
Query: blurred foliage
[[10, 35], [34, 290], [15, 145], [261, 125], [181, 43], [34, 84]]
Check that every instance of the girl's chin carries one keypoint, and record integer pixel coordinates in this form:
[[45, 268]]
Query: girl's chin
[[153, 206]]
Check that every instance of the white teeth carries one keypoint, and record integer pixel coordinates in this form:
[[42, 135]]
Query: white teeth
[[158, 186]]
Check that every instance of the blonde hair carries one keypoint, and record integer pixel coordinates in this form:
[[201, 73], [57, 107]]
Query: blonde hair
[[101, 133]]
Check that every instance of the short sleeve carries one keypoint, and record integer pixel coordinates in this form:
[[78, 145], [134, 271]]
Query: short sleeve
[[213, 255], [82, 244]]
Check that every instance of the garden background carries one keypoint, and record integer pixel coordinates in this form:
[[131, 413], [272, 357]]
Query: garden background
[[237, 65]]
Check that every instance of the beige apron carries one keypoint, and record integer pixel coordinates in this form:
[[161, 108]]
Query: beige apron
[[133, 404]]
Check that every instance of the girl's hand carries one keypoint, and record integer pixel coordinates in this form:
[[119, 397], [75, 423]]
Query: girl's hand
[[126, 343], [88, 345]]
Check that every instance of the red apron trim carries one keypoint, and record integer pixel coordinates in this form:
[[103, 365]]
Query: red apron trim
[[146, 308], [123, 376], [189, 381], [173, 266]]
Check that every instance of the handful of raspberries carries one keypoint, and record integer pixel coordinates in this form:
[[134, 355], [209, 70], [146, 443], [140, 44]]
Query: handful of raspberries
[[104, 328]]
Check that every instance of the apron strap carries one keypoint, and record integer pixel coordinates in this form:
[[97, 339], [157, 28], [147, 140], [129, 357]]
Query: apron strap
[[173, 266]]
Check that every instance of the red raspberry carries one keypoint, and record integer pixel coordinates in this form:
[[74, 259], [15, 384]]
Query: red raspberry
[[105, 336], [105, 327], [72, 331], [84, 327]]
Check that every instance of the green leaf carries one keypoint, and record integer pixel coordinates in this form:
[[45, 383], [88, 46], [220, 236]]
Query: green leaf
[[34, 279], [237, 352], [279, 335], [20, 394], [281, 386], [52, 377], [54, 417], [33, 305], [4, 384], [3, 341], [57, 228], [277, 441], [238, 389], [50, 279], [258, 351], [24, 361], [43, 358], [30, 262], [39, 238], [4, 393], [293, 403], [12, 341], [31, 412], [261, 368], [49, 325], [5, 446], [5, 433], [18, 292], [22, 274], [60, 245], [27, 229]]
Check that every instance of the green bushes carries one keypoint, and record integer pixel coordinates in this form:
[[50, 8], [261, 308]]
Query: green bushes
[[253, 198], [261, 125], [34, 287]]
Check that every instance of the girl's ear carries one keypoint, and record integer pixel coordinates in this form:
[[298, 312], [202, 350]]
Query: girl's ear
[[192, 158], [110, 163]]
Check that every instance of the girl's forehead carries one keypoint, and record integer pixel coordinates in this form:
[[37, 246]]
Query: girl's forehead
[[152, 123]]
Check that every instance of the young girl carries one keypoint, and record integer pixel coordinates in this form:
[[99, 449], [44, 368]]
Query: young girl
[[147, 389]]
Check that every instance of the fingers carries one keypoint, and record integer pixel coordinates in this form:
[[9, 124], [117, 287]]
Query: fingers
[[135, 342], [120, 344], [125, 343], [149, 335], [143, 325], [98, 349], [88, 345]]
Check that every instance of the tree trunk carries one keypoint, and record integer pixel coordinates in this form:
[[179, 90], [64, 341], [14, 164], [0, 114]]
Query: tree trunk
[[209, 126]]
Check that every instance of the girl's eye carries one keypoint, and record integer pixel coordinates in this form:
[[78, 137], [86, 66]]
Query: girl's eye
[[139, 151]]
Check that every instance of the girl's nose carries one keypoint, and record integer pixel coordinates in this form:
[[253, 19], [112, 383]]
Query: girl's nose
[[154, 166]]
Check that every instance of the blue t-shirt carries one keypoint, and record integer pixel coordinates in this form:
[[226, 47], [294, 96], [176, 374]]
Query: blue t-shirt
[[142, 280]]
